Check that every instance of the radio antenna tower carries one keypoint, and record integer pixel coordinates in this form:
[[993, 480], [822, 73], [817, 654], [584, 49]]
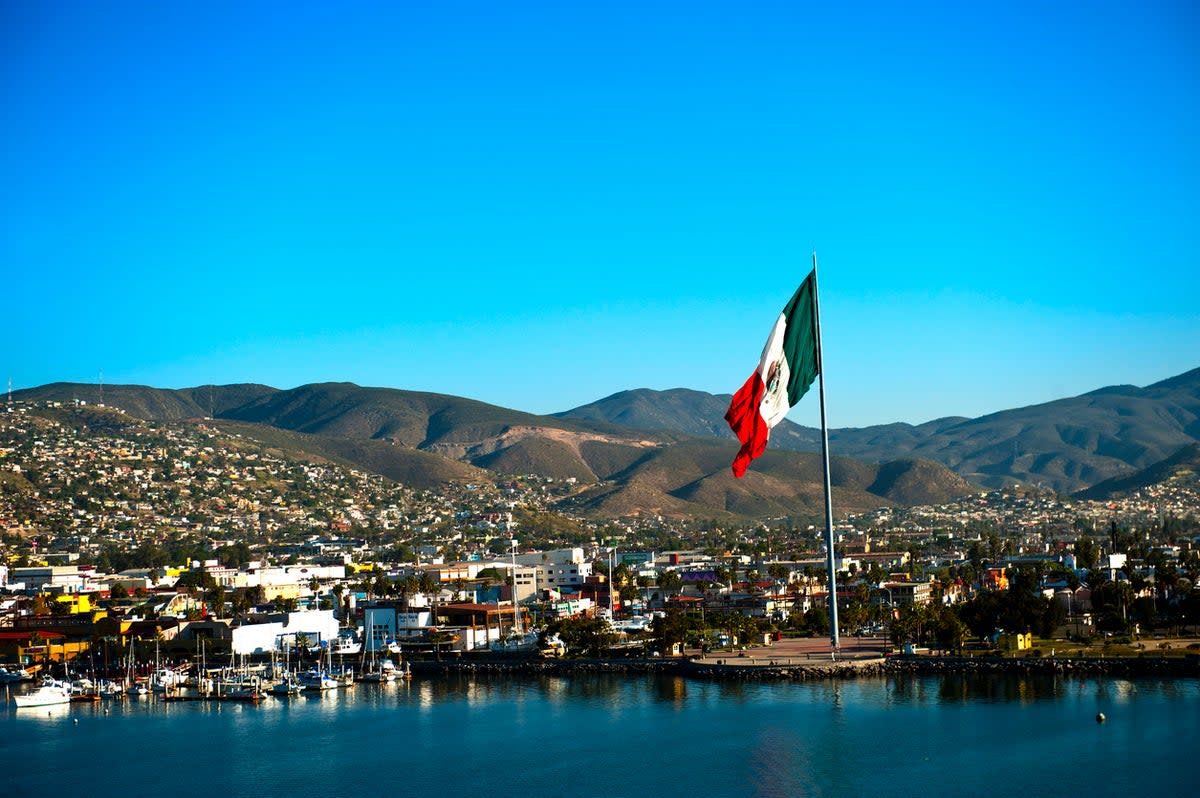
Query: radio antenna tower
[[10, 394], [102, 387]]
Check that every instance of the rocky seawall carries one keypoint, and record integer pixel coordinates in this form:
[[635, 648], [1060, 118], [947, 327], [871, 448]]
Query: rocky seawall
[[813, 671], [497, 665], [1112, 666]]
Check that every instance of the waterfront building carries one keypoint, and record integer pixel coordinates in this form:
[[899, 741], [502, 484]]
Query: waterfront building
[[388, 621], [281, 631]]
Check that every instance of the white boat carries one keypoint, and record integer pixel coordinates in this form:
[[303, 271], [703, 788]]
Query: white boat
[[165, 679], [314, 679], [288, 685], [84, 689], [525, 642], [110, 689], [14, 675], [383, 672], [346, 645], [48, 692], [638, 623]]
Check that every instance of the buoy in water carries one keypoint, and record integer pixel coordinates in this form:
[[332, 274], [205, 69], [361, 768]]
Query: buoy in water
[[76, 721], [1100, 717]]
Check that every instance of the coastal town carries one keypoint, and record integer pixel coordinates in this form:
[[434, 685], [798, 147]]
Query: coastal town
[[128, 542]]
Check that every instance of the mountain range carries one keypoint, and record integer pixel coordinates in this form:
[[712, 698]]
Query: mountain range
[[668, 452], [1067, 445]]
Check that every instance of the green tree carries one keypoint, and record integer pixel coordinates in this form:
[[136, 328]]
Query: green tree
[[584, 637], [240, 604], [256, 595], [668, 629], [670, 581], [816, 621], [426, 583], [1087, 553], [948, 629]]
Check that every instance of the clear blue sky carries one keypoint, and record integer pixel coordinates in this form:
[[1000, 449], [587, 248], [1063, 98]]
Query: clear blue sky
[[540, 204]]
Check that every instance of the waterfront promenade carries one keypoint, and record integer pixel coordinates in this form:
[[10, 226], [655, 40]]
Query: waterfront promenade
[[799, 651]]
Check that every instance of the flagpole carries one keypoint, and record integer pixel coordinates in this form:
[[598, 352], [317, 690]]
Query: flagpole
[[832, 560]]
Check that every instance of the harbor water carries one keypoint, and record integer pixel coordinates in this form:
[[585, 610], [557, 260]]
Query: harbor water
[[617, 736]]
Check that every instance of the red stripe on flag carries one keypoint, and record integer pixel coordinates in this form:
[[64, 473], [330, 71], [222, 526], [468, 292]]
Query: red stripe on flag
[[747, 423]]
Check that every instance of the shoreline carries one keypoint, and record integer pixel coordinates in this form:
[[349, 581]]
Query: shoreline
[[843, 669]]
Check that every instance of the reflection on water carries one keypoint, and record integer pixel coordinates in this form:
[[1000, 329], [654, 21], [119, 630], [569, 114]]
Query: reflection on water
[[672, 736], [957, 688], [671, 688], [1123, 690], [51, 712], [609, 692]]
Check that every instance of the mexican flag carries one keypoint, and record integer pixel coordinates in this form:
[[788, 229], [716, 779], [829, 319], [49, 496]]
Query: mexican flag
[[787, 368]]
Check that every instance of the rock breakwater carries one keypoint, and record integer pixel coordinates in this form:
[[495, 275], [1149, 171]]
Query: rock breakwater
[[813, 671]]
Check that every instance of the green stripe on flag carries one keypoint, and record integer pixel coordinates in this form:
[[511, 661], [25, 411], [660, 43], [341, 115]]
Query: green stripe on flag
[[800, 340]]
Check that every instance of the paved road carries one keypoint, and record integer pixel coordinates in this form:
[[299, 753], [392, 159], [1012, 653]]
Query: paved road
[[799, 649]]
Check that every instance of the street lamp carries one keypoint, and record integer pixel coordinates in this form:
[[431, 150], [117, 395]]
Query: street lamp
[[611, 559], [891, 601]]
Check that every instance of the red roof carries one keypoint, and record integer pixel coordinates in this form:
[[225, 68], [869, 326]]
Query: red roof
[[25, 634], [478, 607]]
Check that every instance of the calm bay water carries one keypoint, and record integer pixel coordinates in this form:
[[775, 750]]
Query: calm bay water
[[626, 736]]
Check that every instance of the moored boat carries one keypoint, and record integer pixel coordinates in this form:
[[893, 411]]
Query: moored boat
[[287, 685], [383, 672], [14, 675], [315, 679], [346, 645], [50, 691], [248, 689]]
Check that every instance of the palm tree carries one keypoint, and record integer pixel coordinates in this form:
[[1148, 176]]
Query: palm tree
[[338, 590], [669, 581], [426, 583]]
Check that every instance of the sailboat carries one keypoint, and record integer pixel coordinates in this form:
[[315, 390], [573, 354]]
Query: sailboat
[[287, 682], [133, 686], [84, 689], [287, 685], [317, 677], [247, 688], [379, 671]]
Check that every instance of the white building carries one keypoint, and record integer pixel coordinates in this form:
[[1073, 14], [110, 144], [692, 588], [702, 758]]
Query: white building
[[388, 622], [559, 575], [525, 578], [50, 578], [554, 556], [276, 635]]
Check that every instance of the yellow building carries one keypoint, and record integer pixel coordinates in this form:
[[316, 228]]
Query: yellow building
[[1019, 641], [75, 602]]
